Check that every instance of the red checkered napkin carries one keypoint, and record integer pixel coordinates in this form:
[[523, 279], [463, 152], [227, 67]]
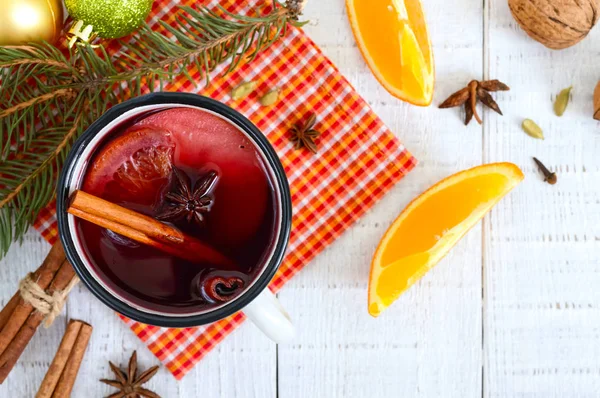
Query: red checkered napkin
[[359, 160]]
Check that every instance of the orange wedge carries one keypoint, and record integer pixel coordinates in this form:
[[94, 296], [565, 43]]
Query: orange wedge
[[431, 225], [392, 36]]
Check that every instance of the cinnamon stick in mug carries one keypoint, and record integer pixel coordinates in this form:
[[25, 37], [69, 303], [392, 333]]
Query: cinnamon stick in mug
[[143, 229]]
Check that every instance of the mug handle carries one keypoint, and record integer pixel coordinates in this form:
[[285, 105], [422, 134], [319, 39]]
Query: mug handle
[[266, 312]]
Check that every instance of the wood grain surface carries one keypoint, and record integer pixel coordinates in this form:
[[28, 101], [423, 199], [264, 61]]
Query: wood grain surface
[[512, 311]]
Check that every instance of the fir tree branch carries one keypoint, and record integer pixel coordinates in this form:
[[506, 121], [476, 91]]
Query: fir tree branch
[[48, 62], [196, 44], [63, 92], [45, 163], [35, 54]]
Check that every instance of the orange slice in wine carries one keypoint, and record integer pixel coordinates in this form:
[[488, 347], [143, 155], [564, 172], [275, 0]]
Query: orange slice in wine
[[134, 167]]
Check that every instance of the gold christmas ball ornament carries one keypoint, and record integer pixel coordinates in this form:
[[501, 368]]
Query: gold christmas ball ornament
[[556, 24], [30, 20]]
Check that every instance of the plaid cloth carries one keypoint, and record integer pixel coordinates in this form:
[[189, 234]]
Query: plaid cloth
[[359, 160]]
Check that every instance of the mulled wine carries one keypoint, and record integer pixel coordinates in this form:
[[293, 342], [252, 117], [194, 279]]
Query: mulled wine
[[195, 171]]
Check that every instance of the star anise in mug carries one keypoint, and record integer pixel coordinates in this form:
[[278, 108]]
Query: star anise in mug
[[128, 384], [304, 134], [476, 90], [187, 200]]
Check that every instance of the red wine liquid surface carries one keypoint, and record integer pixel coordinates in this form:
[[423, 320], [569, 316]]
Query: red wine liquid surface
[[132, 167]]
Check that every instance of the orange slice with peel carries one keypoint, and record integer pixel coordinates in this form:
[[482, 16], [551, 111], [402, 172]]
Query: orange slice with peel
[[393, 39], [431, 225]]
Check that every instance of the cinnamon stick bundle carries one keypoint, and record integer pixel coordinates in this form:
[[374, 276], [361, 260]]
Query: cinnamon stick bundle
[[19, 319], [144, 229], [61, 374]]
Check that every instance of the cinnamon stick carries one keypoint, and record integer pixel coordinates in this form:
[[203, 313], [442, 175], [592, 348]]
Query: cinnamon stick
[[67, 379], [61, 374], [14, 320], [144, 229], [60, 379], [60, 360], [8, 309], [14, 349]]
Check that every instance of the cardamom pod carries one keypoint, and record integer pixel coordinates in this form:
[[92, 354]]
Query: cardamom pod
[[562, 100], [242, 90], [532, 129], [270, 98]]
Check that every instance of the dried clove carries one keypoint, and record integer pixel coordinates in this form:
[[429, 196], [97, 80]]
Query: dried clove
[[549, 176]]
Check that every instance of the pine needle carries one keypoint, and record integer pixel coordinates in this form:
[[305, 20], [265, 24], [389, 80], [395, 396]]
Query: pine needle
[[48, 99]]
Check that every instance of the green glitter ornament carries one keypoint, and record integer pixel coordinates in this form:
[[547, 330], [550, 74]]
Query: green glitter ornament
[[110, 19]]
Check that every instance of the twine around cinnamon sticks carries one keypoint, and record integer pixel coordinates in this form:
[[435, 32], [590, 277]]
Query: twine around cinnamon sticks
[[31, 305], [49, 305]]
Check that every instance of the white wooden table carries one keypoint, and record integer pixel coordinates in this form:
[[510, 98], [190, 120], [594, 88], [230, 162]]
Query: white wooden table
[[513, 311]]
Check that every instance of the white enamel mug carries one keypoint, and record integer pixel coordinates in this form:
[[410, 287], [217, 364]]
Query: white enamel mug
[[256, 301]]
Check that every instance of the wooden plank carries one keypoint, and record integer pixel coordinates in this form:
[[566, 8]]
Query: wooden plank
[[542, 269], [429, 342]]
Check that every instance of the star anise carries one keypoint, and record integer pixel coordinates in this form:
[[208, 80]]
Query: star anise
[[129, 385], [187, 201], [476, 90], [304, 135]]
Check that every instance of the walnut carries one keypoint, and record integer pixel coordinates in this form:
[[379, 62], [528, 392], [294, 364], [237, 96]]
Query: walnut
[[556, 24]]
